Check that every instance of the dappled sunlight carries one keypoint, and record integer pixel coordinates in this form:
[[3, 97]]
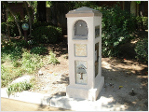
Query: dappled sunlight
[[106, 100], [120, 77], [110, 104], [106, 65], [117, 64]]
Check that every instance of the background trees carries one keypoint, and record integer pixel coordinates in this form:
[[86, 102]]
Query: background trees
[[120, 21]]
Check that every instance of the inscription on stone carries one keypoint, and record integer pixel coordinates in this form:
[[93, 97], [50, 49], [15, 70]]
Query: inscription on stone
[[81, 72], [81, 69], [80, 49], [97, 31]]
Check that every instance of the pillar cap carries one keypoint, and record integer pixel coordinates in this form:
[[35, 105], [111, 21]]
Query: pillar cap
[[83, 12]]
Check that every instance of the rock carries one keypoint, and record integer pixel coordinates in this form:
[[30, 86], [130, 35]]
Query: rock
[[26, 78], [40, 72]]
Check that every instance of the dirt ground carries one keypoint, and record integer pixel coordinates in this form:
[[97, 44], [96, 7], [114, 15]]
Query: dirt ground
[[126, 84], [125, 80]]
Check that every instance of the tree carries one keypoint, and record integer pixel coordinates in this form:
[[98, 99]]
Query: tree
[[41, 11], [141, 9], [127, 6], [5, 3], [28, 13], [3, 13]]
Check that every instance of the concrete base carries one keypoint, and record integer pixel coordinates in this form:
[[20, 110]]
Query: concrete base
[[73, 103], [80, 104], [85, 93]]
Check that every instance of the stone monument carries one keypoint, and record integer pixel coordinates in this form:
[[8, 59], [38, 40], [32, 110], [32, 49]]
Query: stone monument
[[84, 51]]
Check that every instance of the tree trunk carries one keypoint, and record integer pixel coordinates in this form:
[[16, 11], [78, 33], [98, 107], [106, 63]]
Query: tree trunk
[[7, 28], [30, 19], [127, 6], [41, 11], [141, 8], [3, 13], [133, 7], [12, 13]]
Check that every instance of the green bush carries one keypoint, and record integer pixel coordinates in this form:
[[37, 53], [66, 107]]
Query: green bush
[[13, 30], [31, 62], [9, 74], [3, 27], [18, 87], [52, 58], [142, 23], [47, 34], [117, 24], [141, 50], [11, 50], [39, 50], [39, 24]]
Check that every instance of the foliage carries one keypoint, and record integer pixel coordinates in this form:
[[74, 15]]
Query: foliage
[[76, 4], [11, 23], [10, 73], [39, 50], [11, 50], [52, 58], [142, 22], [141, 50], [18, 87], [117, 24], [31, 62], [16, 61], [12, 28], [138, 2], [39, 24], [3, 27], [90, 4], [47, 34], [2, 70]]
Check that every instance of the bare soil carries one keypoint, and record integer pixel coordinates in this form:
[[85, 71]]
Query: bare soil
[[125, 80]]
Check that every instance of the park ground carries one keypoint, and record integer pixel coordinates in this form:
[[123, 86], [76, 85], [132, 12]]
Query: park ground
[[121, 76]]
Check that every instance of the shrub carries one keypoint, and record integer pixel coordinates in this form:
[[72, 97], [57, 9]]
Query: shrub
[[39, 24], [141, 50], [31, 62], [13, 29], [9, 74], [18, 87], [11, 50], [117, 24], [46, 34], [3, 27], [142, 22], [3, 70], [52, 58], [39, 50]]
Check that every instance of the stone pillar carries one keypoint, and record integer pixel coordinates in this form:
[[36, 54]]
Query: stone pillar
[[84, 50]]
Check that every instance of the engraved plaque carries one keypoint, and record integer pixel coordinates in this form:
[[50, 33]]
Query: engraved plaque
[[96, 58], [80, 30], [81, 72], [80, 49], [97, 31]]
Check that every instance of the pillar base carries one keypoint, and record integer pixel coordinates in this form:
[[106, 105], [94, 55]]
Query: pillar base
[[85, 93]]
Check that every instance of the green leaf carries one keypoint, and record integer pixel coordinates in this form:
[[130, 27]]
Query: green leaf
[[116, 43]]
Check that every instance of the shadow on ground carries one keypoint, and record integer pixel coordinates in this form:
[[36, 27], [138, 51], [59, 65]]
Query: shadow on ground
[[125, 85]]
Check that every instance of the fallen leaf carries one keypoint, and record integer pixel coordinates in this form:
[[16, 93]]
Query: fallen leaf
[[120, 87]]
